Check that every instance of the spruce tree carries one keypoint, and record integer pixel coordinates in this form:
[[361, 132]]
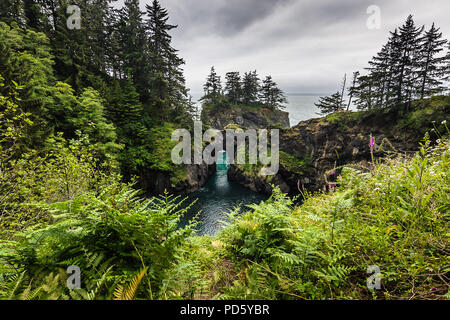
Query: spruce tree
[[250, 88], [233, 87], [124, 106], [330, 104], [364, 93], [34, 17], [133, 51], [393, 58], [98, 15], [431, 64], [352, 89], [270, 95], [446, 75], [113, 49], [380, 74], [166, 79], [12, 10], [406, 50], [67, 46], [212, 88]]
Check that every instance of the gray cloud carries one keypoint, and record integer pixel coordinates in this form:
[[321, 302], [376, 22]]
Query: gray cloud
[[235, 15], [306, 45], [222, 17]]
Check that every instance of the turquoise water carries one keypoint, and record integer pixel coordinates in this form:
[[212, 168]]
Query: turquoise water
[[218, 197]]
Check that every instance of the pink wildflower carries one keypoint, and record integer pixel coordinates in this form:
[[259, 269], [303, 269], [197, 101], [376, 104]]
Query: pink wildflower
[[372, 143]]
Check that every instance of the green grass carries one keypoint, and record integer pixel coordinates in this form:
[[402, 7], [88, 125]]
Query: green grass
[[417, 121], [294, 164], [344, 117], [427, 114]]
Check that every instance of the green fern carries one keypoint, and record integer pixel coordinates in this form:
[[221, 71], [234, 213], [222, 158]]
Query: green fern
[[129, 292]]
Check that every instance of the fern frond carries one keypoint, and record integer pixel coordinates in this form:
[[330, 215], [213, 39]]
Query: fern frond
[[129, 293], [17, 285]]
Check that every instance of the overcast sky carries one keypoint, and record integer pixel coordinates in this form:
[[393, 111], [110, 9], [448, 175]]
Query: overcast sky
[[306, 45]]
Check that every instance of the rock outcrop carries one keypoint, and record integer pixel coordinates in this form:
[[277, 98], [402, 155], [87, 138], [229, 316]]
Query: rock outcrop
[[337, 140], [258, 183], [245, 117], [192, 178]]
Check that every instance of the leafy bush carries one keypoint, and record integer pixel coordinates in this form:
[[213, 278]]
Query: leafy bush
[[109, 236]]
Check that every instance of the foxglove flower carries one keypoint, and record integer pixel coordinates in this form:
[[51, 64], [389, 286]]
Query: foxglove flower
[[372, 143]]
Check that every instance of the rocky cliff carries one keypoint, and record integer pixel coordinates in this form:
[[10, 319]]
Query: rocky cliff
[[187, 179], [311, 149], [245, 117]]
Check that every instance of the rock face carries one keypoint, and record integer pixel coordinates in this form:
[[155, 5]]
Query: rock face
[[329, 143], [245, 117], [194, 177], [259, 183]]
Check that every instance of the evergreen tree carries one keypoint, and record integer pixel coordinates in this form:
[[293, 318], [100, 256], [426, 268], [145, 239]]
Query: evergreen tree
[[352, 90], [380, 75], [405, 55], [233, 87], [124, 106], [446, 76], [364, 93], [131, 35], [394, 56], [12, 10], [250, 88], [270, 95], [113, 47], [167, 82], [330, 104], [97, 12], [212, 88], [409, 66], [431, 65], [75, 51], [34, 17]]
